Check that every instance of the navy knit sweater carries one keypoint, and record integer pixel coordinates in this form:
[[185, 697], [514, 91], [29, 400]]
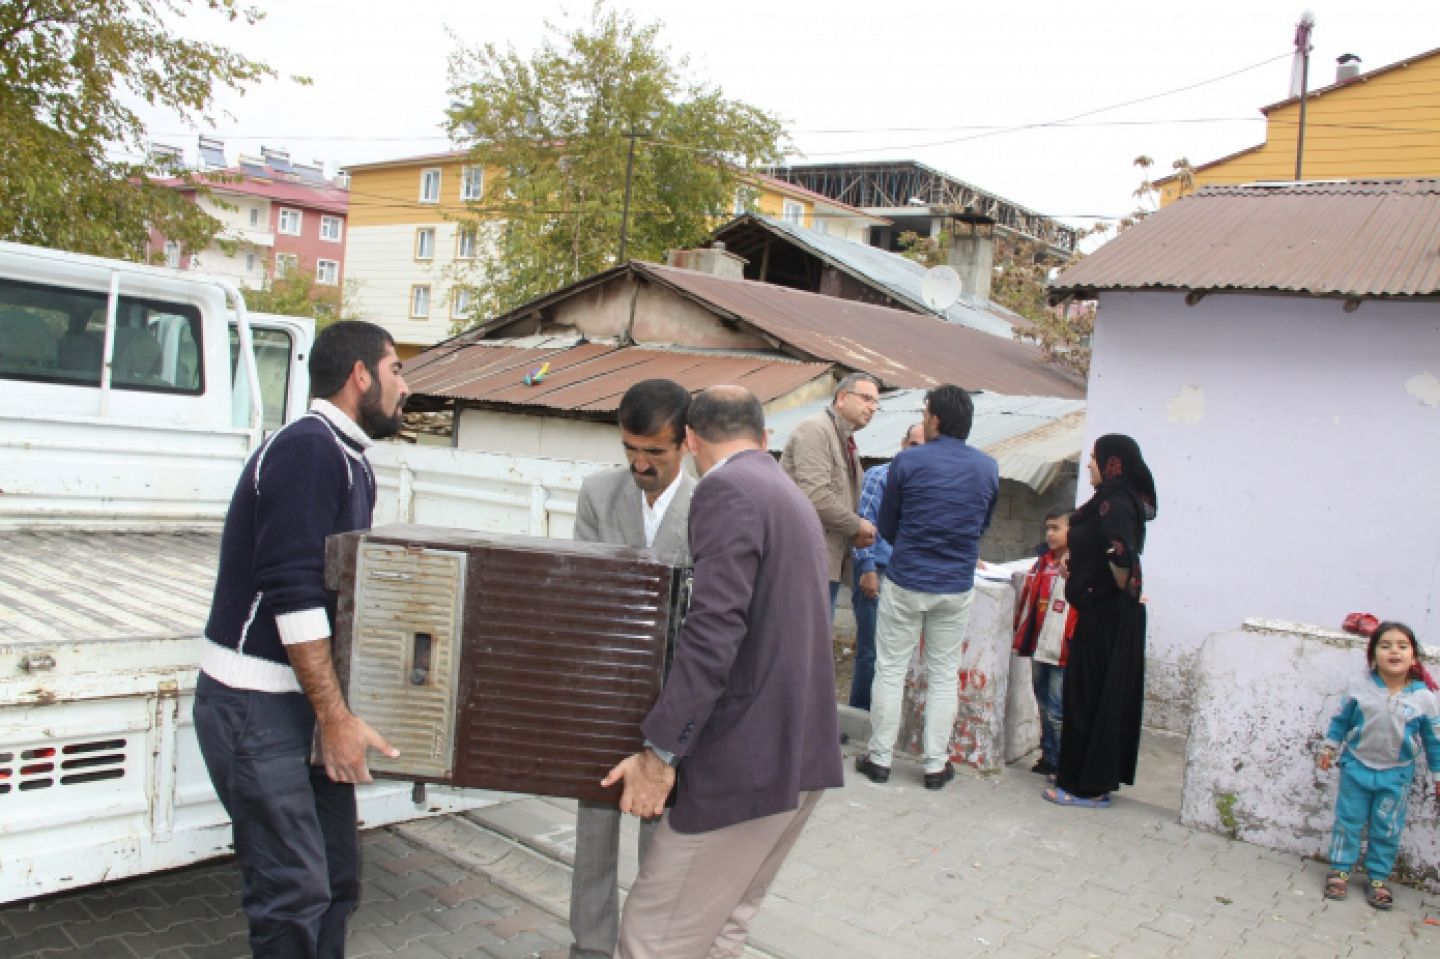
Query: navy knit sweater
[[307, 481]]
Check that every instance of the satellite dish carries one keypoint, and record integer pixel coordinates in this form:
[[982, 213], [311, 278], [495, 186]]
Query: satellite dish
[[940, 288]]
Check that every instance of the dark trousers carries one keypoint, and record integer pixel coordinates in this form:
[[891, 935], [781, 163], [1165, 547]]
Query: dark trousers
[[865, 610], [296, 837]]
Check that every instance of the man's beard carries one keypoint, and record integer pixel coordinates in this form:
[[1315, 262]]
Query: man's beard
[[376, 423]]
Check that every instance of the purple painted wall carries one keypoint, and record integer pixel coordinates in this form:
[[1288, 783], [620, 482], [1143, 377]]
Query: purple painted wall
[[1296, 452]]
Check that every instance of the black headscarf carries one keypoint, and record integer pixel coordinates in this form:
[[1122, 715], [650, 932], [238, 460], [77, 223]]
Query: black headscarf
[[1121, 464], [1122, 471]]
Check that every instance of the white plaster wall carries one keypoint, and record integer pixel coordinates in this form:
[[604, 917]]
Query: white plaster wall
[[550, 437], [380, 268], [1264, 696], [1295, 449]]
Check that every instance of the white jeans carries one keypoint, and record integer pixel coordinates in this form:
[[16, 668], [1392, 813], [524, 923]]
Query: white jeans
[[903, 616]]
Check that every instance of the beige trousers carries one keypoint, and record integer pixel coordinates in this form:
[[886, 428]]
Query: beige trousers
[[697, 894]]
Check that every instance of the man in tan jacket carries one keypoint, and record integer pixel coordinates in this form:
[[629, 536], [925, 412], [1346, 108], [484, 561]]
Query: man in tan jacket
[[821, 458]]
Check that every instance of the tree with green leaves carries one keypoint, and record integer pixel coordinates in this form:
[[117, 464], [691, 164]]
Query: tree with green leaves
[[597, 106], [67, 70], [296, 293]]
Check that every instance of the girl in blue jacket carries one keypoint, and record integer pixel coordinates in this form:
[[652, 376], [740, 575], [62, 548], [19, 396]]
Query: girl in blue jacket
[[1385, 713]]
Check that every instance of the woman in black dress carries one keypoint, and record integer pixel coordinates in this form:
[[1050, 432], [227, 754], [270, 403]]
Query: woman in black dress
[[1105, 674]]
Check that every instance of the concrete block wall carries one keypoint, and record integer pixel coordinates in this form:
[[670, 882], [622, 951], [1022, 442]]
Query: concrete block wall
[[1264, 695], [1018, 526], [983, 737]]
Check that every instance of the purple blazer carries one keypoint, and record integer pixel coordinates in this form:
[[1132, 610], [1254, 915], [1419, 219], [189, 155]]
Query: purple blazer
[[749, 705]]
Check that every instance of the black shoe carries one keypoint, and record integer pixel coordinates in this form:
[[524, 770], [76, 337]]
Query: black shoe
[[876, 774], [938, 780], [1043, 767]]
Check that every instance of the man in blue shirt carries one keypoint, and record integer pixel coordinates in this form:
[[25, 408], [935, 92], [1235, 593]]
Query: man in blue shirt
[[870, 563], [938, 502]]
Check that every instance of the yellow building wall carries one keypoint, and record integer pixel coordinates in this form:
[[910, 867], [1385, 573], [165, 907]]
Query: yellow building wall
[[772, 203], [390, 195], [1383, 127]]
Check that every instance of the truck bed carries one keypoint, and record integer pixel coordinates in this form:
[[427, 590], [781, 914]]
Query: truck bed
[[83, 585]]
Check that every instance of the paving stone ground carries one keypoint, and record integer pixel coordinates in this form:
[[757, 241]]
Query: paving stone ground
[[416, 904], [983, 867]]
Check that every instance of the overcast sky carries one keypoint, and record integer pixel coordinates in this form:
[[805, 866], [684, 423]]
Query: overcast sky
[[852, 80]]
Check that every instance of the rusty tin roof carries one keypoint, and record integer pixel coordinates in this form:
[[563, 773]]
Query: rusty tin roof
[[1362, 238], [590, 377], [902, 349]]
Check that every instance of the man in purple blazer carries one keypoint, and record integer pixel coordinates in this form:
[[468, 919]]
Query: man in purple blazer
[[745, 730]]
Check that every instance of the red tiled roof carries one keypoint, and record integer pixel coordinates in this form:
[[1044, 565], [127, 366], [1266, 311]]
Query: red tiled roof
[[589, 377], [1370, 238], [329, 199]]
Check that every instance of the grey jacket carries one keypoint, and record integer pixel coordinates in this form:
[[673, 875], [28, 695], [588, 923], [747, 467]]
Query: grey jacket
[[608, 511]]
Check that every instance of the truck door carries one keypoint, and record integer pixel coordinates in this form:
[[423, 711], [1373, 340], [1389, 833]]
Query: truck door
[[282, 349]]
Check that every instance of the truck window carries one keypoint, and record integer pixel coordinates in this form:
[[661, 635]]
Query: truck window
[[55, 335], [273, 350]]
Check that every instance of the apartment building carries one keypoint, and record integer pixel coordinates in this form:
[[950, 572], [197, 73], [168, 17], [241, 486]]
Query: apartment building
[[407, 250]]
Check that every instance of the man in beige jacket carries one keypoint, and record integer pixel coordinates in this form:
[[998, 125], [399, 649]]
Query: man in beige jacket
[[821, 458]]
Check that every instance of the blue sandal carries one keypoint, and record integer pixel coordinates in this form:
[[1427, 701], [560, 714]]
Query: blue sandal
[[1060, 797]]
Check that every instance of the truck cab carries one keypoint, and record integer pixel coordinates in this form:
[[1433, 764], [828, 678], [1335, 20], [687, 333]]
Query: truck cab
[[132, 394]]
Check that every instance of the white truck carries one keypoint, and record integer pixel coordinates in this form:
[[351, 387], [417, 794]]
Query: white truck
[[130, 397]]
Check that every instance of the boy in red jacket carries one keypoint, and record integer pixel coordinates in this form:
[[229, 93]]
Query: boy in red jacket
[[1044, 623]]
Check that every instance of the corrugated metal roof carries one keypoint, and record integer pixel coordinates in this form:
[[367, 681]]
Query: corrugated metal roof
[[1031, 437], [902, 349], [898, 276], [1363, 238], [590, 377]]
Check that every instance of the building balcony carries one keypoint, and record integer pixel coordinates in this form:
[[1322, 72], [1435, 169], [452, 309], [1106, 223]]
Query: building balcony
[[249, 235]]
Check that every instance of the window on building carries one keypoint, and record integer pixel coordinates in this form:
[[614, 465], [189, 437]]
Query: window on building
[[430, 186], [792, 211], [461, 300], [327, 272], [290, 221], [745, 198], [286, 263], [330, 228], [254, 216], [425, 243], [172, 254], [249, 262], [472, 182], [465, 243], [420, 301]]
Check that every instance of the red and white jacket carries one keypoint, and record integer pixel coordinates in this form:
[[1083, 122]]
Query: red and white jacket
[[1038, 599]]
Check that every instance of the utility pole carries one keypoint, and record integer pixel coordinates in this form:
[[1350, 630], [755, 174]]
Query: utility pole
[[1302, 50], [625, 212]]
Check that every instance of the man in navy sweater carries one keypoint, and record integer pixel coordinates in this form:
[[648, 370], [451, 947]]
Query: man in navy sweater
[[938, 501], [266, 676]]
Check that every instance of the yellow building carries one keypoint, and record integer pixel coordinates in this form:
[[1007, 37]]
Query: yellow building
[[795, 204], [1384, 124], [407, 252]]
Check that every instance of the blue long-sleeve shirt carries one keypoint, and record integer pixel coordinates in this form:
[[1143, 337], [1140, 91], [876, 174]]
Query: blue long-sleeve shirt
[[870, 558], [938, 501]]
